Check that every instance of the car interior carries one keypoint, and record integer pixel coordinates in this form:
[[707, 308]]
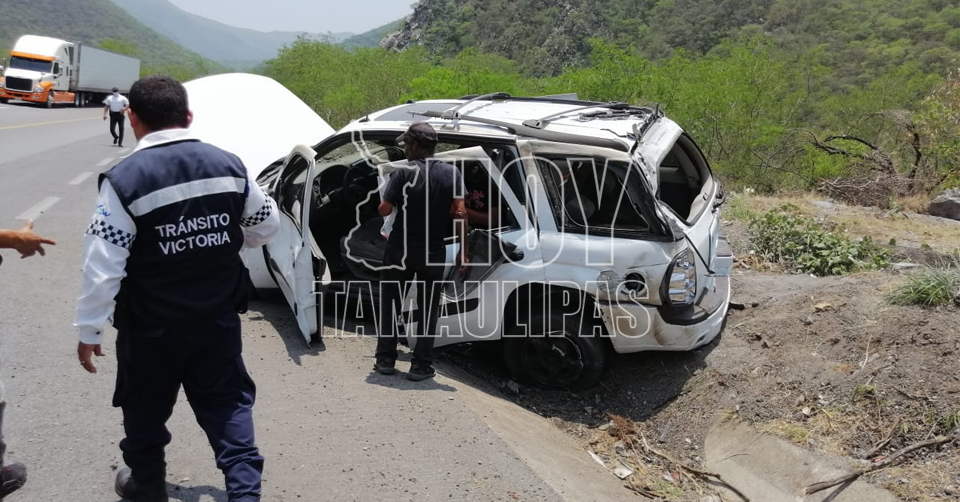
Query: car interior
[[592, 195], [684, 179], [344, 221]]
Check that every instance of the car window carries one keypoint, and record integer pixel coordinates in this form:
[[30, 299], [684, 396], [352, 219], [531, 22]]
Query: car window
[[589, 193], [291, 188]]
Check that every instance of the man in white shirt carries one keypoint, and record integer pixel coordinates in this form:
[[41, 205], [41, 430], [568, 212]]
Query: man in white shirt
[[116, 105]]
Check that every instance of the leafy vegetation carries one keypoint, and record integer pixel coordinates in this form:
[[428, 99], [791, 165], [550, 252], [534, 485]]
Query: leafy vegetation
[[765, 118], [783, 236], [931, 287], [860, 39], [103, 24]]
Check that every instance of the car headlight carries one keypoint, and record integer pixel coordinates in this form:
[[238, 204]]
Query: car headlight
[[38, 88], [682, 279]]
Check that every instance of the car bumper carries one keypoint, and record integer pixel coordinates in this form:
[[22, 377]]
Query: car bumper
[[26, 96], [637, 328]]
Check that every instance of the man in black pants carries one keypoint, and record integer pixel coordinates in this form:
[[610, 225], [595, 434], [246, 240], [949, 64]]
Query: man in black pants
[[117, 105], [164, 246], [428, 196]]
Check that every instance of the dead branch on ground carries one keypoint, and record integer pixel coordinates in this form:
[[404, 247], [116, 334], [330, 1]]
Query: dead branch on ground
[[692, 470], [876, 449], [823, 485]]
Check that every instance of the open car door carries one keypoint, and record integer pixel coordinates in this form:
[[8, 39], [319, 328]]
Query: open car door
[[292, 257]]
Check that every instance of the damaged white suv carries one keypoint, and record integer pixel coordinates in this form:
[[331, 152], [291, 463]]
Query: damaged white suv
[[602, 223]]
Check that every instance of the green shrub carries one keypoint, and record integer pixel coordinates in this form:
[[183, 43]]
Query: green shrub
[[784, 236], [933, 287]]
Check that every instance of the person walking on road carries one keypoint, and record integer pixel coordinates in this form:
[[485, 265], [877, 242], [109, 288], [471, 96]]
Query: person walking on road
[[117, 105], [161, 261], [429, 198], [27, 243]]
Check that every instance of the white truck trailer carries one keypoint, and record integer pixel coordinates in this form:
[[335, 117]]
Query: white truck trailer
[[51, 71]]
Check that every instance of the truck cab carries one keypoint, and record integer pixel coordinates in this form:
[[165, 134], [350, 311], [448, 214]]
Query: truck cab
[[39, 69]]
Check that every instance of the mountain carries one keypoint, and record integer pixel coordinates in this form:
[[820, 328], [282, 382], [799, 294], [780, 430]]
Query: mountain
[[547, 36], [373, 37], [101, 23], [229, 45]]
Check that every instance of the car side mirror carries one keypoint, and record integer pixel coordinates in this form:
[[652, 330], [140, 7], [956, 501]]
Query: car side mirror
[[515, 255]]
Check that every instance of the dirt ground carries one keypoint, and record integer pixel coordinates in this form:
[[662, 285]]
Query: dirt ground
[[824, 362]]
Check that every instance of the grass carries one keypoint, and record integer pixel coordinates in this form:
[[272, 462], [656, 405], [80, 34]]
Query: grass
[[931, 287], [904, 228]]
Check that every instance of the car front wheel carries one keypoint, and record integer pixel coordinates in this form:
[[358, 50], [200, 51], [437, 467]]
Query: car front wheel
[[557, 351]]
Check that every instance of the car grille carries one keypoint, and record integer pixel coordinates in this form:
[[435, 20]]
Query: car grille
[[19, 84]]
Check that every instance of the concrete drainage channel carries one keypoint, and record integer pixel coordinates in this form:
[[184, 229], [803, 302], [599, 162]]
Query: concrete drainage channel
[[768, 469], [765, 468]]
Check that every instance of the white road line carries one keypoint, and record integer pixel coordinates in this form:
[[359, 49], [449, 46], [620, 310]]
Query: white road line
[[41, 207], [80, 179], [105, 161]]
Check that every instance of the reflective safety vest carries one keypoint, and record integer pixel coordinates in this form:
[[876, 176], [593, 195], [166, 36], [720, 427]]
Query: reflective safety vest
[[186, 199]]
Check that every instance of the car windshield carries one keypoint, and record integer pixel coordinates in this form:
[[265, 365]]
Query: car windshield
[[30, 64]]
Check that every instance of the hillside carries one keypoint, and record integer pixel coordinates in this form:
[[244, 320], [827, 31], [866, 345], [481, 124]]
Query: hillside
[[229, 45], [545, 37], [102, 23], [373, 37]]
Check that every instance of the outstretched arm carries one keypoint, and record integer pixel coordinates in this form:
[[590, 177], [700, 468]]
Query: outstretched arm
[[24, 241]]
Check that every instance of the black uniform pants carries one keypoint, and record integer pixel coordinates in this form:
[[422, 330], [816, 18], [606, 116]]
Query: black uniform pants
[[394, 285], [206, 359], [116, 119]]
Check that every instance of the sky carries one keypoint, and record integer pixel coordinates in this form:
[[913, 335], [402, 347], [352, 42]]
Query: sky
[[315, 16]]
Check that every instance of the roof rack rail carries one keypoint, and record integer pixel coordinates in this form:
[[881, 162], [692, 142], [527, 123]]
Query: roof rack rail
[[532, 132], [542, 122], [455, 112]]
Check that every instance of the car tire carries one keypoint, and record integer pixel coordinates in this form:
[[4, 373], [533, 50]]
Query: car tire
[[4, 101], [555, 356], [50, 99]]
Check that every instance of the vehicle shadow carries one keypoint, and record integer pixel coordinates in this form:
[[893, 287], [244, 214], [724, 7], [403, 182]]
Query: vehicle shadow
[[637, 386], [276, 312]]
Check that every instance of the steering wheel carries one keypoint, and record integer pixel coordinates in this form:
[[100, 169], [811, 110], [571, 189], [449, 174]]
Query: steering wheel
[[329, 181]]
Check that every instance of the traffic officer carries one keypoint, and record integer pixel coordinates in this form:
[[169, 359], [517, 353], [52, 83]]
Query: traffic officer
[[161, 262]]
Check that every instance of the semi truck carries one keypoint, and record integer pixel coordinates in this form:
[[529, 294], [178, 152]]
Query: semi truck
[[50, 71]]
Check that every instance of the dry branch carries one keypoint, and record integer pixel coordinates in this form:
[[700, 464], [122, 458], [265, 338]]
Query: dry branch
[[876, 449], [823, 485], [691, 469]]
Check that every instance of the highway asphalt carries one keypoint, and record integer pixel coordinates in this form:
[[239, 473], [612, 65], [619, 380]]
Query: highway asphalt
[[329, 428]]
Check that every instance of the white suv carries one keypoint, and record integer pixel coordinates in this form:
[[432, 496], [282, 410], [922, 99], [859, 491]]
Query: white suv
[[603, 229]]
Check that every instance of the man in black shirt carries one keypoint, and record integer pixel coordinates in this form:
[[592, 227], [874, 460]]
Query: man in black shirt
[[428, 196]]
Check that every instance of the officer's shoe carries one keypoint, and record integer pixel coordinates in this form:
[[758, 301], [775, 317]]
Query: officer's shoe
[[12, 478], [385, 366], [128, 488], [419, 372]]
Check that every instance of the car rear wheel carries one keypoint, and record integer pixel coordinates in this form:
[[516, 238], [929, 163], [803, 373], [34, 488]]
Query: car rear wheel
[[558, 351]]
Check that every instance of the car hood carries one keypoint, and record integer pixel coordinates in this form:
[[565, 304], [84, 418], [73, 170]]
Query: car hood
[[254, 117]]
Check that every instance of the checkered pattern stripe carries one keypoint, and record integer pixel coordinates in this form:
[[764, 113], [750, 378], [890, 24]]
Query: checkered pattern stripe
[[259, 217], [110, 233]]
